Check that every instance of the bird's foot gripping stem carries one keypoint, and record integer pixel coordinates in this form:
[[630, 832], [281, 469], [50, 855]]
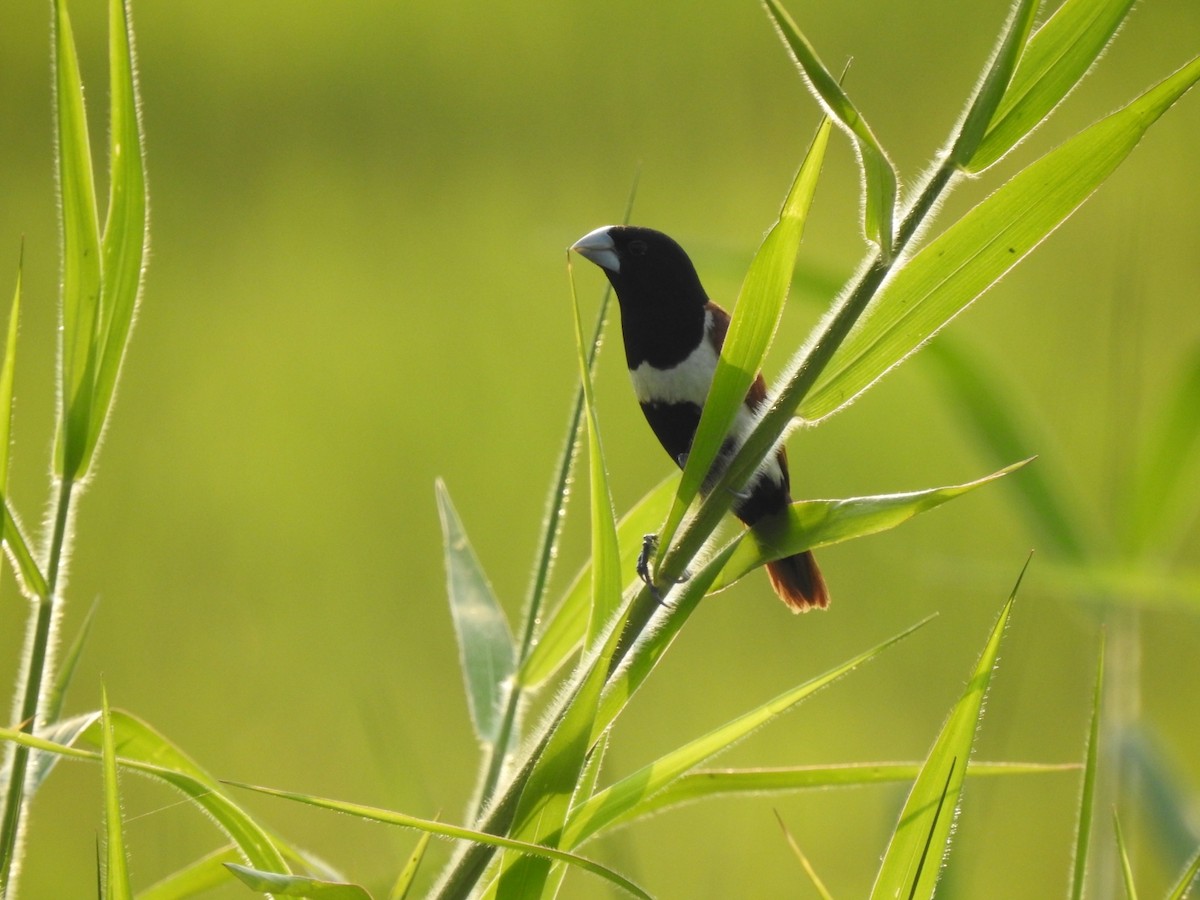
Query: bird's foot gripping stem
[[645, 559]]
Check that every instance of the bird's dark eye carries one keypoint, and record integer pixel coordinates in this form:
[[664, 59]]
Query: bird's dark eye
[[637, 248]]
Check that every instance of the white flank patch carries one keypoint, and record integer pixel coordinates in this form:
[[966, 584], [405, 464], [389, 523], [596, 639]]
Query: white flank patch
[[688, 382]]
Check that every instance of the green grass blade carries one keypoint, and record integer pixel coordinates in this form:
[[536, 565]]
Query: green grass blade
[[923, 832], [404, 881], [567, 623], [205, 874], [704, 784], [659, 624], [296, 885], [66, 669], [606, 551], [994, 84], [1055, 60], [611, 803], [485, 642], [389, 817], [753, 322], [947, 275], [143, 748], [1159, 502], [116, 879], [7, 372], [1181, 887], [1087, 795], [33, 582], [817, 523], [1123, 852], [818, 885], [81, 248], [125, 236], [879, 177], [993, 413]]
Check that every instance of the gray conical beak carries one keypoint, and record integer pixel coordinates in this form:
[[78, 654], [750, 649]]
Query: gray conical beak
[[598, 247]]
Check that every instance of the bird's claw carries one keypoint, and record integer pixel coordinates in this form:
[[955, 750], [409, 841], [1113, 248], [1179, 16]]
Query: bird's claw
[[645, 558]]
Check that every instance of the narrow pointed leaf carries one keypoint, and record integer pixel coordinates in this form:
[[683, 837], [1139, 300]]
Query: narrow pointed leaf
[[606, 806], [404, 881], [485, 642], [66, 669], [456, 832], [606, 551], [752, 327], [704, 784], [1123, 852], [997, 419], [912, 862], [1055, 60], [205, 874], [125, 237], [1083, 824], [1184, 884], [296, 885], [566, 625], [81, 249], [943, 278], [141, 747], [116, 870], [33, 582], [879, 177], [817, 523], [818, 885], [995, 83], [7, 372]]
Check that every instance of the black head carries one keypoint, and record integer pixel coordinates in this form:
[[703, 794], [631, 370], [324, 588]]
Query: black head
[[647, 269]]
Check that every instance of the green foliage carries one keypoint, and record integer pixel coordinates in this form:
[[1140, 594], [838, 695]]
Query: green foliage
[[543, 791]]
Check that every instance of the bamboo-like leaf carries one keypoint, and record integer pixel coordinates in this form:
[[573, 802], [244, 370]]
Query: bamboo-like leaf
[[125, 235], [456, 832], [704, 784], [116, 879], [1158, 500], [282, 885], [752, 327], [993, 414], [611, 803], [485, 642], [33, 582], [1123, 852], [912, 861], [143, 748], [943, 278], [1181, 887], [567, 623], [1087, 794], [879, 177], [994, 84], [810, 524], [7, 371], [203, 875], [81, 249], [404, 881], [1055, 60], [546, 797]]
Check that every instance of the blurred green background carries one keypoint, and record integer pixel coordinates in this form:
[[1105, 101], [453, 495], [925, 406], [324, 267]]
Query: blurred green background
[[357, 284]]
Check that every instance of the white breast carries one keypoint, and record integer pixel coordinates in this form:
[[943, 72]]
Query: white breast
[[686, 382]]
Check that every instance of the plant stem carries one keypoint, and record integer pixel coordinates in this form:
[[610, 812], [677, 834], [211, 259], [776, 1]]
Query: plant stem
[[37, 677]]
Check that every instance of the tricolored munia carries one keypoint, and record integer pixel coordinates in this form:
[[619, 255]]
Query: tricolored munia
[[673, 335]]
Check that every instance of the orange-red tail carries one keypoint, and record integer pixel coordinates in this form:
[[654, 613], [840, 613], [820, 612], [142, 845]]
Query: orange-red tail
[[798, 582]]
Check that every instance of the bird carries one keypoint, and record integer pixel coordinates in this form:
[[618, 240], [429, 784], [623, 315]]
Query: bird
[[673, 335]]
